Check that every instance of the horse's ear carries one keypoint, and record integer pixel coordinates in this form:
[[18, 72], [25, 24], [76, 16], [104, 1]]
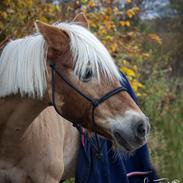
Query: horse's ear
[[82, 20], [55, 37]]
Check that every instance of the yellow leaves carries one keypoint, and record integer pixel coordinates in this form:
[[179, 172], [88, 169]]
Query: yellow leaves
[[92, 24], [57, 8], [106, 18], [109, 24], [108, 37], [133, 11], [29, 3], [102, 30], [17, 17], [130, 13], [117, 11], [102, 22], [127, 71], [132, 76], [91, 4], [108, 10], [129, 1], [136, 85], [130, 71], [114, 47], [43, 19], [136, 9], [155, 38], [124, 23]]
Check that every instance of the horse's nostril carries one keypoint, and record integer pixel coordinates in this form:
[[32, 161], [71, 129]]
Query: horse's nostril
[[141, 131]]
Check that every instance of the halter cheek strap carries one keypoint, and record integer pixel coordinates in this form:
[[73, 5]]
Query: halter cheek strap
[[94, 102]]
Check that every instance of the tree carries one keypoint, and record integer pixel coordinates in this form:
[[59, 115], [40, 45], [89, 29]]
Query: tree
[[17, 17], [114, 25]]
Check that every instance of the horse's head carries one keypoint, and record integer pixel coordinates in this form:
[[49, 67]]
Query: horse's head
[[86, 64]]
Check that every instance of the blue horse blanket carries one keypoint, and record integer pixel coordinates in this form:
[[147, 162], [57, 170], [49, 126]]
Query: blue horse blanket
[[113, 167]]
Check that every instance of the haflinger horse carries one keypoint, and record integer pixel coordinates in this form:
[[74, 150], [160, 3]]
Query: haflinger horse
[[63, 64]]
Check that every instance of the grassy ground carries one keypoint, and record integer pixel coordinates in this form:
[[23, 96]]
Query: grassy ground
[[164, 106], [69, 181]]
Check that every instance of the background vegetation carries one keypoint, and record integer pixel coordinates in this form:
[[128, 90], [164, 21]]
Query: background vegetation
[[150, 55]]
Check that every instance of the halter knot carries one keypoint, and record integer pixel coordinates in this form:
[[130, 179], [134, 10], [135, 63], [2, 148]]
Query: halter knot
[[96, 103]]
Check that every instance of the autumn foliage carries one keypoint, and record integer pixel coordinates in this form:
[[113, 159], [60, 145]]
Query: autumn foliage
[[114, 25]]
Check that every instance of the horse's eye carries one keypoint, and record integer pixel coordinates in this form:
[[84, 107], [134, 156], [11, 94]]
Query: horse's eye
[[87, 76]]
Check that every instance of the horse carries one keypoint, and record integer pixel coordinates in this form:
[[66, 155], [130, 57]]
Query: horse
[[48, 150], [63, 64]]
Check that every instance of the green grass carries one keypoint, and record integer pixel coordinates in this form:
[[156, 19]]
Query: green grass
[[69, 181], [164, 106]]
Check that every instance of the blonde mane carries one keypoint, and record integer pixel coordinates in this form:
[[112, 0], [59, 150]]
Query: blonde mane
[[22, 67], [23, 61]]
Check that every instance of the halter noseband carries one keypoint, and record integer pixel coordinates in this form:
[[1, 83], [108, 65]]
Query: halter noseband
[[94, 102]]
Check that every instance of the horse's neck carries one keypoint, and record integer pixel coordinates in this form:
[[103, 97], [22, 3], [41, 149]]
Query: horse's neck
[[16, 114], [55, 142]]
